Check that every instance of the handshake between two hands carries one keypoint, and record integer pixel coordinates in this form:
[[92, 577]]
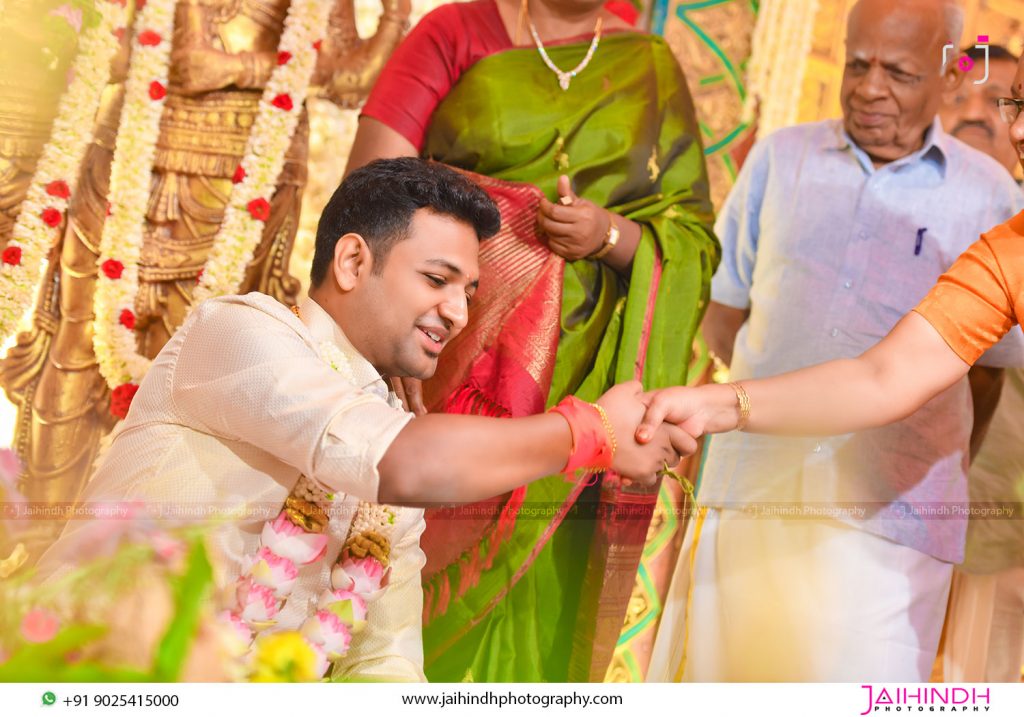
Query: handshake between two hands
[[653, 429]]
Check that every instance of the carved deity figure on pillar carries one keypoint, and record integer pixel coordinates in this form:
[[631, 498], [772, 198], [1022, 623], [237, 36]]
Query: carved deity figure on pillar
[[223, 53], [34, 54]]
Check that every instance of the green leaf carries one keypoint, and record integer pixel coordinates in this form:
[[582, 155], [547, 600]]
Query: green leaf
[[49, 661], [190, 591], [35, 662]]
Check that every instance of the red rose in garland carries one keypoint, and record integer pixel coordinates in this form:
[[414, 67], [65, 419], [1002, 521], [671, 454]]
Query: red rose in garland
[[51, 217], [127, 319], [283, 102], [150, 38], [112, 268], [59, 189], [121, 399], [259, 208], [12, 255]]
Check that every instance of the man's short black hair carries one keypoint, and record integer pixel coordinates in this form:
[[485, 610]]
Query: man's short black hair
[[995, 52], [377, 202]]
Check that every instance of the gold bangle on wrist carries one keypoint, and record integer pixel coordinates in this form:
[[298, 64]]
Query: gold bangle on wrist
[[607, 427], [611, 238], [743, 401]]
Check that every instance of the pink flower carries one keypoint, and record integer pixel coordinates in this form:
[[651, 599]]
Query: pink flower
[[273, 571], [364, 576], [166, 547], [349, 607], [39, 625], [257, 602], [236, 626], [290, 541], [72, 15], [321, 659], [328, 632]]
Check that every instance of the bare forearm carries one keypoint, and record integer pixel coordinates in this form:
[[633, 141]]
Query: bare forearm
[[888, 382], [462, 459], [834, 397]]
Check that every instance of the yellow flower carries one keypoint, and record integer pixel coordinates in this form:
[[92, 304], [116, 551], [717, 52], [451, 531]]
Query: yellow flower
[[285, 657]]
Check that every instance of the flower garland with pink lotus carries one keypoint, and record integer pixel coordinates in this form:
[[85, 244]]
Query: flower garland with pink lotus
[[294, 539], [39, 223], [248, 207], [268, 578]]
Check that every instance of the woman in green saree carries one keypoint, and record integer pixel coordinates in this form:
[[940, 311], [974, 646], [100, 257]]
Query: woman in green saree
[[599, 276]]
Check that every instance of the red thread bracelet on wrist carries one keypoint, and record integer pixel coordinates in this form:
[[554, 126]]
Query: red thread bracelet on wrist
[[593, 448]]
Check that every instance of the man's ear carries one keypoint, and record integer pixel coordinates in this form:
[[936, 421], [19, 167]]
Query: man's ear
[[952, 78], [353, 261]]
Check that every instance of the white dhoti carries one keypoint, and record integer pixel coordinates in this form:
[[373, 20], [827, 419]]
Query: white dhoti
[[759, 599], [985, 628]]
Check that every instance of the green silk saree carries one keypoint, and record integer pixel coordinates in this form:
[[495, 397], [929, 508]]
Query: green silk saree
[[626, 135]]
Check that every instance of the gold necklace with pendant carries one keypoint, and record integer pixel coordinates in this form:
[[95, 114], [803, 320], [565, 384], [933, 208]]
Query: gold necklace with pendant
[[564, 78]]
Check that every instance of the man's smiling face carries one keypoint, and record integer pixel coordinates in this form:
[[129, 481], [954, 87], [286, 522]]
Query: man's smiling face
[[892, 81], [419, 300]]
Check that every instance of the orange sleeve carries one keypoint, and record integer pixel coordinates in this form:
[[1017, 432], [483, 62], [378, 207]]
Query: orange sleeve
[[976, 302]]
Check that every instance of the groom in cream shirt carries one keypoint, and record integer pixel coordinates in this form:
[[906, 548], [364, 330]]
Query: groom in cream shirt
[[249, 396]]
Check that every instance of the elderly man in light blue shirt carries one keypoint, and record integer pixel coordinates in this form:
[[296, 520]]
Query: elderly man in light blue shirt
[[830, 559]]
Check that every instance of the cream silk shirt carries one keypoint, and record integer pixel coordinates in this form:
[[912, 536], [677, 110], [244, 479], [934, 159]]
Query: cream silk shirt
[[235, 408]]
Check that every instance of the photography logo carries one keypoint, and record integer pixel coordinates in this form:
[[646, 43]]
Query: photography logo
[[889, 700], [965, 63]]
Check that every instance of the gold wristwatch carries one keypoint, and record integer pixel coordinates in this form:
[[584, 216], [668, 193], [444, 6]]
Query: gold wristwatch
[[610, 239]]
